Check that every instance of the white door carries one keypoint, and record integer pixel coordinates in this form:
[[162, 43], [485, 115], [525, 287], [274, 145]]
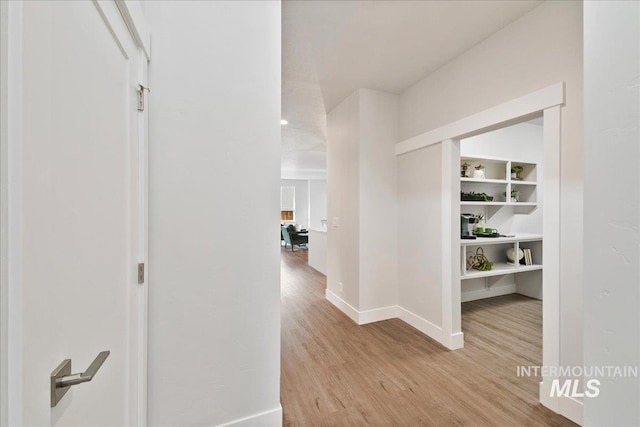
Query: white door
[[83, 210]]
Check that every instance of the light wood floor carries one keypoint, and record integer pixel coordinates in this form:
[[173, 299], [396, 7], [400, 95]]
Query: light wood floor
[[336, 373]]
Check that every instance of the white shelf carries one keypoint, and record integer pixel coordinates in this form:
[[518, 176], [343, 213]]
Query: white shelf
[[484, 159], [530, 204], [484, 241], [500, 269], [484, 181], [518, 182]]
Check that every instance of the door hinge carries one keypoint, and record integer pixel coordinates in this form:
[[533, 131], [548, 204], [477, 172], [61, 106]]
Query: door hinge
[[141, 273], [140, 91]]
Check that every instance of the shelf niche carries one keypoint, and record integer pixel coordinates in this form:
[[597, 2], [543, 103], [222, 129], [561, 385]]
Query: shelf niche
[[517, 146]]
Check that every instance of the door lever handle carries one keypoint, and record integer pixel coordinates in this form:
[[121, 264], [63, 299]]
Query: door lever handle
[[62, 379]]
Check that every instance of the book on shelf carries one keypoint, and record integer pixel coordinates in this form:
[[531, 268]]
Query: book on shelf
[[527, 259]]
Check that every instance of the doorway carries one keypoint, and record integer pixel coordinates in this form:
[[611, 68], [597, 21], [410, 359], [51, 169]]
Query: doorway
[[74, 213], [545, 103], [501, 239], [446, 142]]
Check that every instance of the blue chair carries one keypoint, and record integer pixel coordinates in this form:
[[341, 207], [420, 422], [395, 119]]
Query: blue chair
[[292, 238]]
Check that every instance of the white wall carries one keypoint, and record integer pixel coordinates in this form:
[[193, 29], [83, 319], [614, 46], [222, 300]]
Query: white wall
[[214, 346], [361, 188], [419, 247], [317, 202], [311, 201], [378, 199], [343, 207], [301, 215], [542, 48], [611, 206], [318, 250]]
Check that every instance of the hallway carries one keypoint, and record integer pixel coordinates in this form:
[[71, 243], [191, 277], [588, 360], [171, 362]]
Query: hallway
[[335, 372]]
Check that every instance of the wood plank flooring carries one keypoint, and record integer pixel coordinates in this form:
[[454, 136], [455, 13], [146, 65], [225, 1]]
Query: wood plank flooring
[[336, 373]]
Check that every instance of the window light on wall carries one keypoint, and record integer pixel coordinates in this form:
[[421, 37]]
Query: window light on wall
[[287, 203]]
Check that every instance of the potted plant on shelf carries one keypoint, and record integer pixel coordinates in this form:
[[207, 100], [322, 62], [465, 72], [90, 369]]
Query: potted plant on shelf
[[515, 196], [480, 224], [478, 173], [464, 170], [516, 170]]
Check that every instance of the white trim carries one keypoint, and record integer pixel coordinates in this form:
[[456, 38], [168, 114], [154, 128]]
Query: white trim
[[377, 314], [115, 19], [493, 291], [571, 408], [124, 20], [143, 241], [551, 209], [450, 291], [484, 121], [342, 305], [456, 341], [365, 316], [11, 177], [4, 8], [447, 240], [564, 405], [421, 324], [545, 395], [266, 418], [133, 17], [452, 341], [114, 24]]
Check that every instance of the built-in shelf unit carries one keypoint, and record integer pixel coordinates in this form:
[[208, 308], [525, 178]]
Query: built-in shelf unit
[[499, 183], [495, 248], [511, 195]]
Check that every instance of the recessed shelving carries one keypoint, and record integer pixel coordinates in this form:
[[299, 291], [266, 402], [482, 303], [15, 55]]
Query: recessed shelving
[[495, 249], [527, 204], [505, 189], [484, 181], [519, 237], [500, 269], [520, 182], [499, 182]]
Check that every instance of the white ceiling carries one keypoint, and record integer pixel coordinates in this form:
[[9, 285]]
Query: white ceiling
[[304, 138], [331, 48]]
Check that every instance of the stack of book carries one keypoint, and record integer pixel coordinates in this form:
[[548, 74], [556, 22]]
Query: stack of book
[[527, 260]]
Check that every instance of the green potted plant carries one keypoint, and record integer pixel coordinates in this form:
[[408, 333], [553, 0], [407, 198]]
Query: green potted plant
[[516, 170], [464, 170], [515, 196], [479, 226]]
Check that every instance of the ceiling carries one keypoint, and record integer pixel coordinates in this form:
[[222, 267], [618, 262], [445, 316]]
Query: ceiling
[[331, 48], [304, 138]]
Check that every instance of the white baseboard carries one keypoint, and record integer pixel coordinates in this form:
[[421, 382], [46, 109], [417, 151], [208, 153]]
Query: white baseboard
[[421, 324], [545, 396], [377, 314], [270, 418], [564, 405], [494, 291], [571, 408], [344, 306], [456, 341], [362, 317], [453, 342]]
